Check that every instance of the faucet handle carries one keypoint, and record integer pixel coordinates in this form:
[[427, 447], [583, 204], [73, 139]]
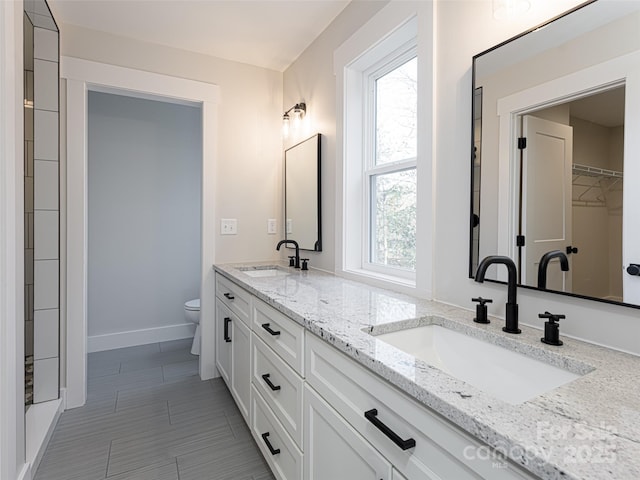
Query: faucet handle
[[292, 263], [481, 309], [481, 300], [304, 263], [553, 317], [551, 328]]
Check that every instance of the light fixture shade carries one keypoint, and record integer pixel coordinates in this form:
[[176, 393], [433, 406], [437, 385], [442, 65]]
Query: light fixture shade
[[285, 125], [507, 9]]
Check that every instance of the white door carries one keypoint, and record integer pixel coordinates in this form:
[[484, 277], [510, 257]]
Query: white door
[[241, 366], [333, 449], [546, 198]]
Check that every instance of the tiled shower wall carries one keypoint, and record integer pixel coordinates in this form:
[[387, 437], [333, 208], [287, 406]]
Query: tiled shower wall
[[43, 212]]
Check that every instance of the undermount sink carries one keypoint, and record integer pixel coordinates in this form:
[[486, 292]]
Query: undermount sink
[[261, 272], [502, 373]]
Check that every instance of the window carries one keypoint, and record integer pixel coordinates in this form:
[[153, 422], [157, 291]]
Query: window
[[384, 79], [390, 166]]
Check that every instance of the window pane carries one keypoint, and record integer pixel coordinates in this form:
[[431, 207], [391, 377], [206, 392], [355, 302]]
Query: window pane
[[393, 219], [396, 102]]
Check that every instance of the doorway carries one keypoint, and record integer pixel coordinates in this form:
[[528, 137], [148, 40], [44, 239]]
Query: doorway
[[81, 77]]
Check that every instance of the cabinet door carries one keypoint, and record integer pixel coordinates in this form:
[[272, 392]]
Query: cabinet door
[[333, 449], [241, 366], [223, 341]]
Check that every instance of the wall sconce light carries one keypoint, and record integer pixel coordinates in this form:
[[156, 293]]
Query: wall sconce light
[[298, 112], [506, 9]]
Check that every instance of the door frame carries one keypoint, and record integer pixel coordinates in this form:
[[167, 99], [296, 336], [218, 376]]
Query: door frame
[[603, 76], [81, 77]]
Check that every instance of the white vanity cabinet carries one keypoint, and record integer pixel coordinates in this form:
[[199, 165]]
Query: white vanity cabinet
[[233, 341], [417, 442], [334, 449], [317, 414], [277, 368]]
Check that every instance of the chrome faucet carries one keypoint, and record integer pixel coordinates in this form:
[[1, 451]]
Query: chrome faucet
[[295, 244], [511, 314], [544, 263]]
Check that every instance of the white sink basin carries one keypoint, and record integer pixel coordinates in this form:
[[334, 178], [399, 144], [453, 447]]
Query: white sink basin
[[265, 272], [502, 373]]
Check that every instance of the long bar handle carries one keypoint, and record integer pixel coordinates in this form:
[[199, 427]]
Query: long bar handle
[[372, 416]]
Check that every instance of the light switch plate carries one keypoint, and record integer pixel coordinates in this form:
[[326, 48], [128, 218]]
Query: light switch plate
[[228, 226], [272, 226], [289, 226]]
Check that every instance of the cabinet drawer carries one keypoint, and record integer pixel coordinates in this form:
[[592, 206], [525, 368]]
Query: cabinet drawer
[[280, 386], [281, 453], [441, 449], [334, 450], [280, 333], [234, 297]]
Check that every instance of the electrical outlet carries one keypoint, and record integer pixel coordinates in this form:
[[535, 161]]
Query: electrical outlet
[[289, 226], [272, 226], [228, 226]]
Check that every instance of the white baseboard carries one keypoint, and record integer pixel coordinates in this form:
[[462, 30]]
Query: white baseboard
[[131, 338], [40, 421]]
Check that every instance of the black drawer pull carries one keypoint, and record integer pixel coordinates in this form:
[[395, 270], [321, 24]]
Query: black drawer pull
[[274, 451], [267, 327], [227, 338], [229, 296], [372, 416], [273, 387]]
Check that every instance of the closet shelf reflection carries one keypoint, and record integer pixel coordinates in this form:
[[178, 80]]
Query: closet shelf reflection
[[596, 187]]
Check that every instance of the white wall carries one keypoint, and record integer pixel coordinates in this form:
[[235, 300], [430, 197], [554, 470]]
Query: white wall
[[464, 29], [310, 78], [249, 138], [145, 163]]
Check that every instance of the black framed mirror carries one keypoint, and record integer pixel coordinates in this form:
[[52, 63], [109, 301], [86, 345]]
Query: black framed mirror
[[302, 194], [555, 142]]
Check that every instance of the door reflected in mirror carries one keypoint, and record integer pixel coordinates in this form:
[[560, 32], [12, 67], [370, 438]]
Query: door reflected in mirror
[[556, 137], [302, 194]]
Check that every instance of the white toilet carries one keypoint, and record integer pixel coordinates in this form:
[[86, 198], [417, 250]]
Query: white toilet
[[192, 313]]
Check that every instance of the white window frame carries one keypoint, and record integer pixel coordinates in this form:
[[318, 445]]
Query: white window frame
[[392, 27], [389, 63]]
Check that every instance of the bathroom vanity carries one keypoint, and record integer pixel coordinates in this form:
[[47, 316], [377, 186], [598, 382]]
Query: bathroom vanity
[[311, 363]]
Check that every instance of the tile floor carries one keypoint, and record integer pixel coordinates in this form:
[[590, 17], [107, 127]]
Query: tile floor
[[149, 417]]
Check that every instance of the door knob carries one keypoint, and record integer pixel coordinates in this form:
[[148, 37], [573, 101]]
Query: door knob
[[633, 269], [571, 250]]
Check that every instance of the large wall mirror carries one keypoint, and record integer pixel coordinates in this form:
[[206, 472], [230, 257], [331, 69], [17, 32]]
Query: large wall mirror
[[556, 154], [302, 194]]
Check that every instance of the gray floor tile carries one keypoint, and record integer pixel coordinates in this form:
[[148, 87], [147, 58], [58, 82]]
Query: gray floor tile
[[182, 344], [168, 471], [182, 369], [236, 460], [158, 359], [149, 417]]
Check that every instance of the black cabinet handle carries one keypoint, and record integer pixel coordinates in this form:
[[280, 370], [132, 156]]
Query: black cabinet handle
[[372, 416], [571, 249], [274, 451], [273, 387], [229, 296], [267, 327], [227, 338]]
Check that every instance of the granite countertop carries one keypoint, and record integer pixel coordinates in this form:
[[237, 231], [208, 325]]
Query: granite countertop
[[586, 429]]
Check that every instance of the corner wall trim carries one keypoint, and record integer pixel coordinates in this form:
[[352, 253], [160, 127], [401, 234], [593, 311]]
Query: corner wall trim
[[131, 338]]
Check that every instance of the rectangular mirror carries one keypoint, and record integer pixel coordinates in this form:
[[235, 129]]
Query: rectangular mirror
[[556, 136], [302, 194]]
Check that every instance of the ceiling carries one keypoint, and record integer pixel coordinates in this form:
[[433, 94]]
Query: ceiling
[[269, 34]]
